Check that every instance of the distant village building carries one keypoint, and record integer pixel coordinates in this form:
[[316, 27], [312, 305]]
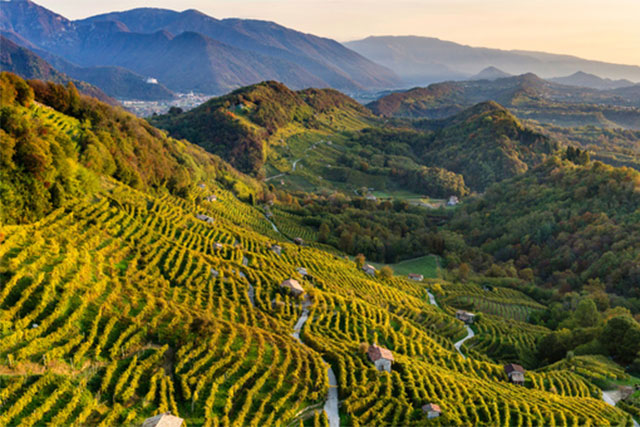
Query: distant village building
[[381, 357], [214, 273], [205, 218], [371, 197], [293, 286], [218, 246], [432, 410], [369, 269], [277, 249], [151, 81], [163, 420], [302, 271], [416, 277], [298, 241], [453, 200], [515, 373], [212, 198], [201, 185], [465, 316]]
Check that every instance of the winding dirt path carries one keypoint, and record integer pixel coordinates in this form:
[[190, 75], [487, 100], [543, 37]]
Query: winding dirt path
[[331, 405], [470, 333]]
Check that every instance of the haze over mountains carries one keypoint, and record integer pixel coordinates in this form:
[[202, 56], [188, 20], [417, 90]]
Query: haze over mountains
[[423, 60], [190, 51]]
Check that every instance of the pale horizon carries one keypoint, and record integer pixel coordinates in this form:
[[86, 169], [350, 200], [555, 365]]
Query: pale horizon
[[589, 29]]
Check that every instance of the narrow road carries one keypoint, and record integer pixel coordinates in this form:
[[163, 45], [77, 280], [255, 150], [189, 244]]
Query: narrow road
[[432, 299], [293, 165], [274, 177], [470, 334], [331, 405], [612, 397], [272, 224]]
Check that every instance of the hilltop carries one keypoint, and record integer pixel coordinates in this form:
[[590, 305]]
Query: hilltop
[[583, 79], [486, 144], [242, 126]]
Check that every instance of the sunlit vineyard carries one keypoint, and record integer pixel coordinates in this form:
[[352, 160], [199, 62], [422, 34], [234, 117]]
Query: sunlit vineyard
[[124, 305], [499, 301]]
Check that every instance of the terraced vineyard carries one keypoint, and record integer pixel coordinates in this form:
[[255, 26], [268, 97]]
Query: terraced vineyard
[[122, 303], [499, 301], [111, 312]]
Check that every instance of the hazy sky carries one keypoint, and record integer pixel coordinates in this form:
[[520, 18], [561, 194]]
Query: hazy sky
[[607, 30]]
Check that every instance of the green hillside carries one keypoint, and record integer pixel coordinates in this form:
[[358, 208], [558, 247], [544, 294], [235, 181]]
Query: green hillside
[[528, 96], [569, 222], [242, 126], [130, 291]]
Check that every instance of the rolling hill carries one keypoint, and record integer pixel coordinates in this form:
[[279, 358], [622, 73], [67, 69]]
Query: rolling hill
[[528, 96], [242, 126], [590, 80], [190, 51], [268, 129]]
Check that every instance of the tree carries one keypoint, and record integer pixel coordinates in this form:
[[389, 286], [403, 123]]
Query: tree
[[360, 259], [621, 338], [386, 272], [323, 233], [463, 272], [586, 314]]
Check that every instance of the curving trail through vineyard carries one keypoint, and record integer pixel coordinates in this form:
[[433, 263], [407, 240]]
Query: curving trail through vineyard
[[470, 333], [611, 398], [432, 299], [331, 405]]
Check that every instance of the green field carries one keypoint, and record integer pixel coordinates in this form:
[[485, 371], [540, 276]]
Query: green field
[[426, 265]]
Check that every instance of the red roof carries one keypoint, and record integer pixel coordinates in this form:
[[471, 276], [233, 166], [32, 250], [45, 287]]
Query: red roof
[[512, 367], [376, 353], [431, 407]]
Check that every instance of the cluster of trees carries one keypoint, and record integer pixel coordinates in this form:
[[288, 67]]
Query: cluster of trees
[[390, 153], [584, 329], [386, 231]]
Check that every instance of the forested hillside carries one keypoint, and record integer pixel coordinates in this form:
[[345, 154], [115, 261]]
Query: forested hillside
[[240, 126], [56, 144], [528, 96], [571, 223], [140, 274]]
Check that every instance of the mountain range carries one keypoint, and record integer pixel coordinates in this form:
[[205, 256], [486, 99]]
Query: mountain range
[[22, 61], [527, 95], [423, 60], [190, 51]]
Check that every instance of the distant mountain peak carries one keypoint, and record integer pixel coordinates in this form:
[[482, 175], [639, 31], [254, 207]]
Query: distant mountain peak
[[490, 73], [583, 79]]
